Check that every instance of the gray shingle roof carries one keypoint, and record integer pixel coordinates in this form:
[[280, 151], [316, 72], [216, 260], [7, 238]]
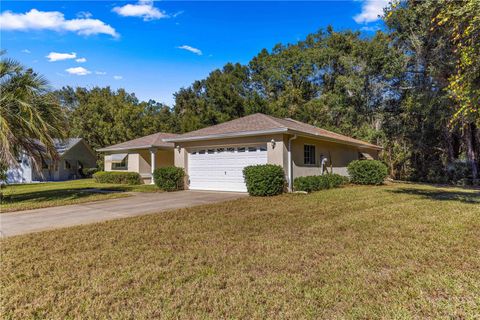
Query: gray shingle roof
[[62, 146], [259, 123], [151, 141]]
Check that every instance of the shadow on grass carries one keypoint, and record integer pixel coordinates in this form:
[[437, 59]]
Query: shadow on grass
[[57, 195], [442, 195]]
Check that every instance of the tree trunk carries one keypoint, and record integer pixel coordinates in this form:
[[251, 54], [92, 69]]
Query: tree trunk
[[470, 141]]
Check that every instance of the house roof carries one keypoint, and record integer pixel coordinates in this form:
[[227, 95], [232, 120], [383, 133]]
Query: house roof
[[260, 124], [63, 146], [151, 141]]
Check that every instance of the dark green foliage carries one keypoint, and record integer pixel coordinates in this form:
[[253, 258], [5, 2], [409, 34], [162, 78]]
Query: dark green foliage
[[117, 177], [367, 172], [3, 171], [113, 116], [264, 180], [89, 172], [316, 183], [169, 178], [460, 173]]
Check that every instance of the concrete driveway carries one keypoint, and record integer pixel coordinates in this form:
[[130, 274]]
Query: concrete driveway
[[23, 222]]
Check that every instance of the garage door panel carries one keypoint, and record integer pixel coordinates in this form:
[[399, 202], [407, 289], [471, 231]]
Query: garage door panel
[[222, 170]]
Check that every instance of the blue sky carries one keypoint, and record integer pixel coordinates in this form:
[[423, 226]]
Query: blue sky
[[155, 48]]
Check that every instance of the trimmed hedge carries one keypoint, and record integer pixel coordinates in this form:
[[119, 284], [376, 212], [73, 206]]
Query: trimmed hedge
[[89, 172], [117, 177], [316, 183], [367, 172], [169, 178], [264, 180]]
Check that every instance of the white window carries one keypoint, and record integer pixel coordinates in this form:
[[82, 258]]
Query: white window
[[309, 154]]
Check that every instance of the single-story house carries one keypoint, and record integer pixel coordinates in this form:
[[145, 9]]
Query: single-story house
[[214, 157], [74, 154], [142, 155]]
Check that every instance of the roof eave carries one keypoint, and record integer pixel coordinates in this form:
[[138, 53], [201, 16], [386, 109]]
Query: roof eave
[[324, 138], [227, 135], [107, 149]]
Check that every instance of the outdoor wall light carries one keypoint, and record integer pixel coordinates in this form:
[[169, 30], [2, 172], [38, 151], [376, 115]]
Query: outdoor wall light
[[273, 143], [178, 149]]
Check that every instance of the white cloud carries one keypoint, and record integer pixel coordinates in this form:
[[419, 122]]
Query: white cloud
[[371, 10], [57, 56], [176, 14], [53, 20], [26, 51], [370, 28], [81, 60], [117, 77], [191, 49], [143, 9], [79, 71], [84, 15], [100, 73]]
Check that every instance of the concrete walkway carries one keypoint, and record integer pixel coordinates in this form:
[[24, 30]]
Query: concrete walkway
[[23, 222]]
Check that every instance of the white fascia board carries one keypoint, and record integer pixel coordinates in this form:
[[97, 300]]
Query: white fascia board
[[329, 139], [228, 135], [107, 149]]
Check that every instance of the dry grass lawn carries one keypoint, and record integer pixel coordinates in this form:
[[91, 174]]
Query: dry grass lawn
[[41, 195], [401, 251]]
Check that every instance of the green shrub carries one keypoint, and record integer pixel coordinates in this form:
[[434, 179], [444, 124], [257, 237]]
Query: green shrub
[[89, 172], [117, 177], [169, 178], [264, 180], [316, 183], [367, 172]]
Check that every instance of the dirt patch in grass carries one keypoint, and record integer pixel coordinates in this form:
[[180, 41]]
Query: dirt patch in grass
[[355, 252]]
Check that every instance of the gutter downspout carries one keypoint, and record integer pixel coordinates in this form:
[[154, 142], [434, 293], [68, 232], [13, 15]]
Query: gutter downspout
[[290, 166]]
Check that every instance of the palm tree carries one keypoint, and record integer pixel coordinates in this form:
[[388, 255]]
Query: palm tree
[[30, 115]]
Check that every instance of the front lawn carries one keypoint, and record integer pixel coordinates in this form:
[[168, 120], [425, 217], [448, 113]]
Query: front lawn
[[401, 251], [49, 194]]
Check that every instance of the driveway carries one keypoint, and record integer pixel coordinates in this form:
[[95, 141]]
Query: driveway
[[23, 222]]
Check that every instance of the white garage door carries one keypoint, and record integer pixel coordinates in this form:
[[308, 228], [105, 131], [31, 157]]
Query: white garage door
[[222, 168]]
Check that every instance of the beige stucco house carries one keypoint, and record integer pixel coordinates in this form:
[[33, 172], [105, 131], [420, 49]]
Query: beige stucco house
[[142, 155], [214, 157]]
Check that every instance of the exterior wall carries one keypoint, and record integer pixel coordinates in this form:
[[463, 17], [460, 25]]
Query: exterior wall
[[22, 173], [133, 162], [140, 161], [338, 155], [275, 155]]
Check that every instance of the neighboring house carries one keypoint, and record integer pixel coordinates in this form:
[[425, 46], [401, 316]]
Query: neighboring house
[[214, 157], [138, 155], [74, 155]]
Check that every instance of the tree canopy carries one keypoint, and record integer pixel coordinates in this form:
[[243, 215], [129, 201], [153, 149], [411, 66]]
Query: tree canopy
[[30, 116]]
